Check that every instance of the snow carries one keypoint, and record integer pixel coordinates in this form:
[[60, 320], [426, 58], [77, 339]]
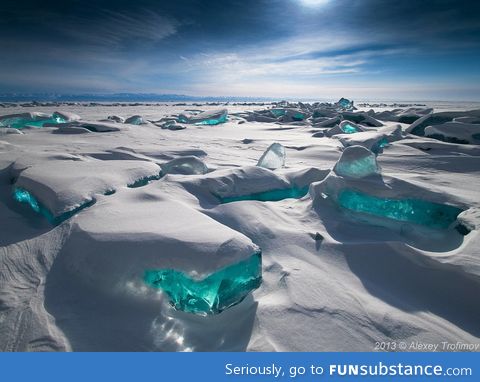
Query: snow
[[62, 185], [351, 276], [455, 132]]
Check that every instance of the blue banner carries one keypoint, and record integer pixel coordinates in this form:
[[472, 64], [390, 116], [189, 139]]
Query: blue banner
[[88, 367]]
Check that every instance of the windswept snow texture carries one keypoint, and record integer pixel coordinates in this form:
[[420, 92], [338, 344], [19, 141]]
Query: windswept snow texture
[[140, 227]]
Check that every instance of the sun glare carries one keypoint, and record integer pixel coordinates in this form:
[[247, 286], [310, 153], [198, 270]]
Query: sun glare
[[313, 3]]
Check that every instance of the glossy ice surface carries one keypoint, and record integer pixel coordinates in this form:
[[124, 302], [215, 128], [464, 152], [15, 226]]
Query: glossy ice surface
[[214, 293]]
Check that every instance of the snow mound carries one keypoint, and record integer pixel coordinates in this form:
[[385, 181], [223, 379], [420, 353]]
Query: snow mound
[[455, 132], [94, 126], [418, 127], [9, 130], [64, 186], [409, 115], [115, 243], [382, 200]]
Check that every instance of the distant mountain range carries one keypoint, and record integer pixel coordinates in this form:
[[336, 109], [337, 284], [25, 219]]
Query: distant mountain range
[[119, 97]]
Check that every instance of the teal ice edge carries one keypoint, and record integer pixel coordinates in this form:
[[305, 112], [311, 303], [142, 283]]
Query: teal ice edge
[[21, 195], [145, 180], [212, 294], [434, 215], [267, 196]]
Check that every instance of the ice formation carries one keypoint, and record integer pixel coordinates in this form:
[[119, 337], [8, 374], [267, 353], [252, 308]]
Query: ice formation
[[348, 127], [116, 118], [172, 125], [408, 116], [361, 117], [269, 196], [64, 116], [61, 186], [187, 165], [278, 112], [20, 121], [94, 126], [345, 103], [273, 157], [23, 196], [135, 120], [210, 117], [416, 211], [372, 140], [356, 162], [455, 132], [397, 234], [294, 115], [143, 181], [212, 294]]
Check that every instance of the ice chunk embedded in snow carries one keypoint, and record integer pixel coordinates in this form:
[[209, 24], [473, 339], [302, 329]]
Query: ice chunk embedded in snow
[[345, 103], [371, 140], [273, 157], [116, 118], [97, 127], [416, 211], [212, 294], [62, 186], [210, 117], [22, 120], [147, 230], [356, 162], [65, 116], [188, 165], [455, 132], [135, 120], [348, 127], [23, 196]]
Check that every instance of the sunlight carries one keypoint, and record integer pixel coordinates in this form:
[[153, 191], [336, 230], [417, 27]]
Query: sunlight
[[313, 3]]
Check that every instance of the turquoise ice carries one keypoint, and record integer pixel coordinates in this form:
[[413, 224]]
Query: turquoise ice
[[212, 294], [213, 121], [416, 211], [269, 196], [22, 122], [348, 128], [23, 196]]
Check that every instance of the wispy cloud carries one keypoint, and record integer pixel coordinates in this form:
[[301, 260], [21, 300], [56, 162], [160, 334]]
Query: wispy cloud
[[302, 57], [115, 29]]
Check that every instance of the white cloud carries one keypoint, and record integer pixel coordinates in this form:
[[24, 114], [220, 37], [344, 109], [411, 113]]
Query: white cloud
[[115, 28]]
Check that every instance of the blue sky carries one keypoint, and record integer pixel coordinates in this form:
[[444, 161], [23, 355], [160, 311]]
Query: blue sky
[[363, 49]]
